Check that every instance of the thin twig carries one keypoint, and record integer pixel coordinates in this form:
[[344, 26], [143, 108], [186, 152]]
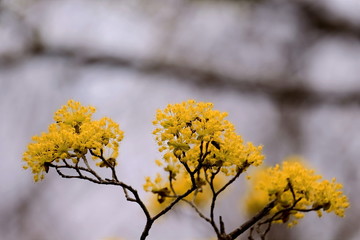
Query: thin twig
[[197, 210]]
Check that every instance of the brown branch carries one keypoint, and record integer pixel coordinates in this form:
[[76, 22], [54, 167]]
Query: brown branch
[[76, 168], [57, 168], [265, 211], [192, 174], [321, 18], [294, 95]]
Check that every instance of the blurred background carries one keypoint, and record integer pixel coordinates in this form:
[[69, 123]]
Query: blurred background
[[286, 71]]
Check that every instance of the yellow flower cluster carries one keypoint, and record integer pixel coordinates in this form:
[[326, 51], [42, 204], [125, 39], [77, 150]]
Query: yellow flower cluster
[[190, 132], [194, 137], [72, 135], [296, 188]]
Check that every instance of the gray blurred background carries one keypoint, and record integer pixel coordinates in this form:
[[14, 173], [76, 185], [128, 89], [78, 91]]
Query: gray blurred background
[[287, 71]]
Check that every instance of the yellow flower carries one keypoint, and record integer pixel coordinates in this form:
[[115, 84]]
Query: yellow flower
[[189, 132], [297, 188], [72, 135]]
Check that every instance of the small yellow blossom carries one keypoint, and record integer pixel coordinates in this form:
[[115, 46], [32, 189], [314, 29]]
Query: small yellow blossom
[[72, 135], [296, 188]]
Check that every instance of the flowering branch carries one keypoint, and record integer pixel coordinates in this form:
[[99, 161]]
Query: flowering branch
[[202, 155]]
